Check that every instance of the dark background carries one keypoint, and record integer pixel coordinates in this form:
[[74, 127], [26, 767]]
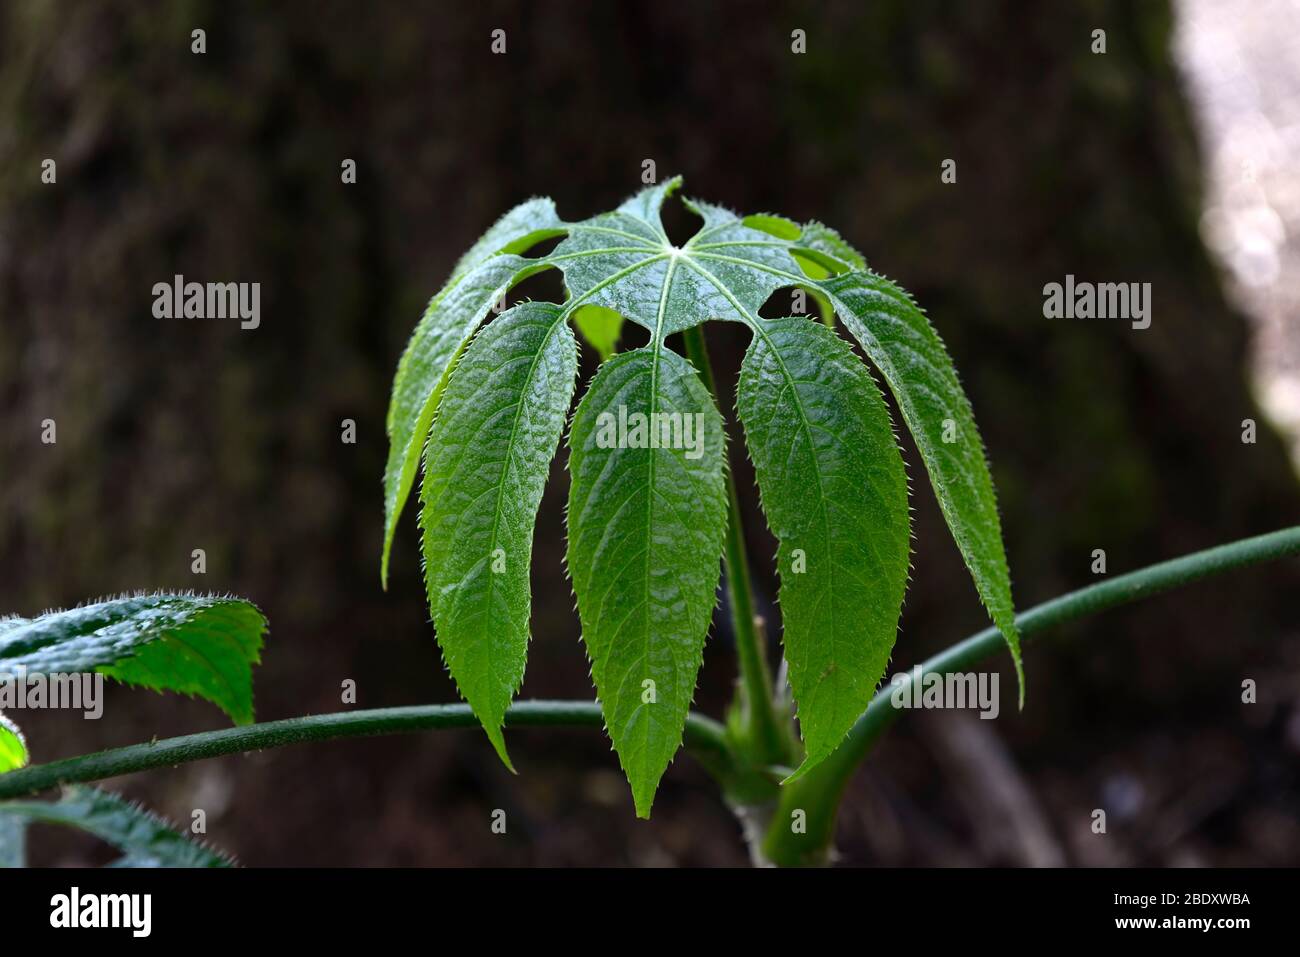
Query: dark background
[[176, 434]]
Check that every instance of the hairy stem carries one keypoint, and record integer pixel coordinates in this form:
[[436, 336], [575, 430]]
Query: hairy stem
[[818, 794], [705, 738], [762, 726]]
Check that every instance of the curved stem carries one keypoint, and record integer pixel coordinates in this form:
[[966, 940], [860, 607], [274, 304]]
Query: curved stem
[[818, 793], [757, 690], [704, 736]]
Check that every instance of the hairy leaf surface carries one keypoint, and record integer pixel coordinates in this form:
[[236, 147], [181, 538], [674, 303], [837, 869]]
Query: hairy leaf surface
[[900, 341], [195, 644], [482, 276], [144, 838], [488, 457], [913, 360], [646, 525], [645, 537], [835, 495]]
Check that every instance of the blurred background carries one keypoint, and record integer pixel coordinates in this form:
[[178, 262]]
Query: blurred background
[[1173, 158]]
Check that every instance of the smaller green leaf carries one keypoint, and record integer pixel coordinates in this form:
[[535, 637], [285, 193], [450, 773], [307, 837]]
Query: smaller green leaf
[[824, 254], [822, 238], [194, 644], [145, 839], [777, 226], [600, 328], [13, 747]]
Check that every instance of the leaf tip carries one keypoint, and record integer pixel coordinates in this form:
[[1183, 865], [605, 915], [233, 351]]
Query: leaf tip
[[386, 551], [644, 801], [499, 744], [1011, 635], [1020, 674], [799, 772]]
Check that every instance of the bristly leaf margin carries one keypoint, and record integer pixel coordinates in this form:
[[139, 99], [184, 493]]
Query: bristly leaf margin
[[621, 264], [204, 645]]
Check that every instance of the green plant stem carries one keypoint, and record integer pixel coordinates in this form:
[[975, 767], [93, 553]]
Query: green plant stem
[[705, 738], [763, 727], [818, 793]]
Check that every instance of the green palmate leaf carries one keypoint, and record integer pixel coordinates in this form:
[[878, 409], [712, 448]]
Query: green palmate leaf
[[646, 524], [13, 747], [645, 534], [488, 456], [195, 644], [835, 495], [145, 839], [480, 279]]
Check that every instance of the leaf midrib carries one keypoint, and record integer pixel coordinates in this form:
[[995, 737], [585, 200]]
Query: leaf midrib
[[657, 342], [510, 456], [758, 329]]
